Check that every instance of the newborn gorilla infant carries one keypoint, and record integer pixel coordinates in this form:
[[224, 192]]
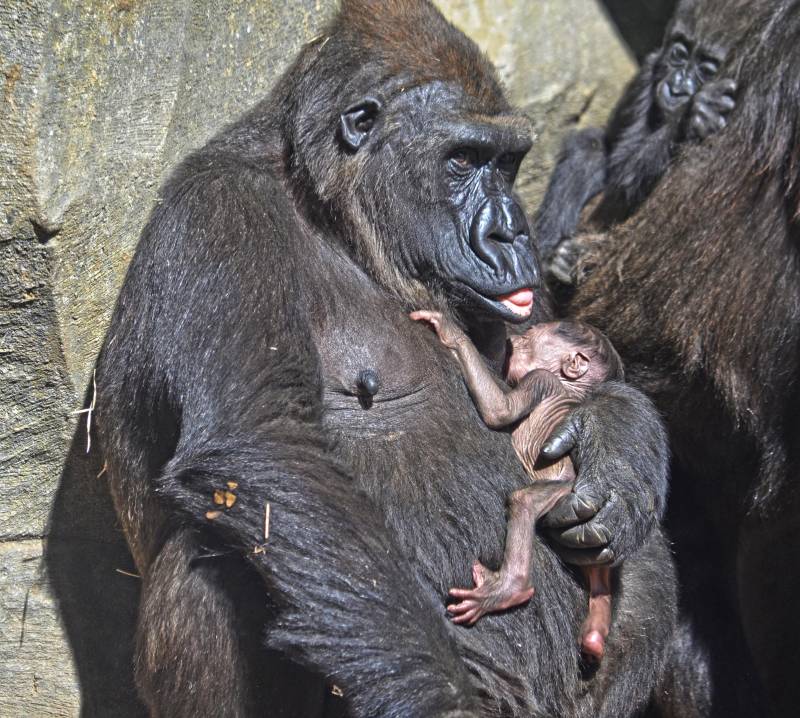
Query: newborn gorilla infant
[[551, 367]]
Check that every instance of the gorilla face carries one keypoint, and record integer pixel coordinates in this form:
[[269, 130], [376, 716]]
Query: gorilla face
[[440, 183], [684, 67]]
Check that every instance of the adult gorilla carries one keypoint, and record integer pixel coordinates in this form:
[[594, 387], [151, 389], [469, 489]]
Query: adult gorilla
[[261, 376], [700, 292]]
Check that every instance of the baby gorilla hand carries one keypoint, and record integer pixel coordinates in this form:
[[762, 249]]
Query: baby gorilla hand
[[493, 592], [710, 107], [449, 334]]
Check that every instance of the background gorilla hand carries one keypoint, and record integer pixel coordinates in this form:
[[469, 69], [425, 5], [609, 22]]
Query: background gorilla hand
[[710, 108], [618, 445]]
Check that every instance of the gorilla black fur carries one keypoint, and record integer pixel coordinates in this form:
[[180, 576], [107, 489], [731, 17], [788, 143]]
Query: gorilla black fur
[[273, 277], [700, 293]]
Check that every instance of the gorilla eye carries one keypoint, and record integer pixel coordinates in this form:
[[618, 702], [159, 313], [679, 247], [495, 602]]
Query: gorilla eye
[[464, 158], [678, 53], [507, 164], [707, 70]]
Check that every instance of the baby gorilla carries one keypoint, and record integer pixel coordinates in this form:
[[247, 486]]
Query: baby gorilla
[[551, 368]]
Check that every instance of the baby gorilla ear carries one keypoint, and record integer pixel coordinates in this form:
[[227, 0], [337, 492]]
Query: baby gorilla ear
[[574, 365], [357, 121]]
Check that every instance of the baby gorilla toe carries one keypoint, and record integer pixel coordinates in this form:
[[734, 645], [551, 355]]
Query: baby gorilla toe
[[593, 646]]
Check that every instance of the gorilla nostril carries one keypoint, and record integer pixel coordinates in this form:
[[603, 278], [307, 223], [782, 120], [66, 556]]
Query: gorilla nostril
[[502, 235]]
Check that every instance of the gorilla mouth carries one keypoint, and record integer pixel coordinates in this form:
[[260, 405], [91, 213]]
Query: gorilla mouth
[[519, 302], [669, 102], [513, 307]]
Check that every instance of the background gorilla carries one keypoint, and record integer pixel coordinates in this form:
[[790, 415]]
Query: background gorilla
[[700, 292], [261, 354], [679, 95]]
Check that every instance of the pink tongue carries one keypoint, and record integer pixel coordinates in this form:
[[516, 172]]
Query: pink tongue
[[520, 298]]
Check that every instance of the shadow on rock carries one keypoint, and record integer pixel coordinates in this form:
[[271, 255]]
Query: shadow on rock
[[85, 555]]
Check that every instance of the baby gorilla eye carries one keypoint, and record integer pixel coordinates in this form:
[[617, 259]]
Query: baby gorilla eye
[[707, 70], [678, 54], [464, 158]]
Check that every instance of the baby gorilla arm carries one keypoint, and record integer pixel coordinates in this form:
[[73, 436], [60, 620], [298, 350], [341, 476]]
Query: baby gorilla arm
[[499, 407]]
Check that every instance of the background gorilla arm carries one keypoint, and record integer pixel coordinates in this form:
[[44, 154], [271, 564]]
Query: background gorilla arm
[[619, 447], [579, 175], [223, 351]]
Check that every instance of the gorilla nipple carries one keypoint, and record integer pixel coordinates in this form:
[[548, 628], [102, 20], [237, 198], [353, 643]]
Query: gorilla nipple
[[367, 385]]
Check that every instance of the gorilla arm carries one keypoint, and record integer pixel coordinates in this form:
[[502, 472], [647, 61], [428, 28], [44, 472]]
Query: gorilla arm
[[619, 447], [579, 175]]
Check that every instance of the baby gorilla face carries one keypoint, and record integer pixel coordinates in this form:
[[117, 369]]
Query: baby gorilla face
[[541, 347]]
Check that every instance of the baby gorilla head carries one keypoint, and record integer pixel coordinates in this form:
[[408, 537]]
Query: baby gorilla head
[[580, 355]]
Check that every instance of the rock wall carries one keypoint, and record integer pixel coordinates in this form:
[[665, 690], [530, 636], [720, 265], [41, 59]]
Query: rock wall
[[98, 101]]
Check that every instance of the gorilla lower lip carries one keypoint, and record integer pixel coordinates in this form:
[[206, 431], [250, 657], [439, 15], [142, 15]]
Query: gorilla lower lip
[[519, 302]]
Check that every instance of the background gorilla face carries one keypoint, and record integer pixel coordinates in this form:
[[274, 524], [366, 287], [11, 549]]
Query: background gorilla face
[[451, 219], [684, 68]]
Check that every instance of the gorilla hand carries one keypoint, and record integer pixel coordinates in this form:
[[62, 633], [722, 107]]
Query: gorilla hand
[[568, 263], [710, 108], [619, 448]]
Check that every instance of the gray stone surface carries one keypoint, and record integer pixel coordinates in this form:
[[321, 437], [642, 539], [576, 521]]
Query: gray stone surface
[[98, 100]]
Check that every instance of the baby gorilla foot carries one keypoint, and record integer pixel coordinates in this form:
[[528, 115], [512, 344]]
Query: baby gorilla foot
[[493, 592], [595, 628]]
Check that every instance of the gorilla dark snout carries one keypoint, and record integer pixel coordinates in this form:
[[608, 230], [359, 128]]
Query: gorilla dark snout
[[497, 225], [681, 85]]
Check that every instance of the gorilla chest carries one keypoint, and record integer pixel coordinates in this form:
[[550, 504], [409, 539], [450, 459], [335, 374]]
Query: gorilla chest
[[417, 445], [401, 414], [379, 373]]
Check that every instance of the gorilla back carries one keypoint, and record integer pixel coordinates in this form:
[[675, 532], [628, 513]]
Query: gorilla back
[[262, 393]]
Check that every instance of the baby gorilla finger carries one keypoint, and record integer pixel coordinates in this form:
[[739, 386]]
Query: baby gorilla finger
[[722, 103], [465, 612]]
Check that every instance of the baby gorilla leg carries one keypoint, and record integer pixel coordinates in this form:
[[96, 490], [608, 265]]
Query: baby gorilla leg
[[511, 584], [598, 623]]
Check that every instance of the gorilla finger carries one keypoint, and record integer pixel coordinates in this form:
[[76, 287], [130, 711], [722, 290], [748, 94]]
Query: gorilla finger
[[699, 127], [585, 557], [592, 534], [561, 271], [423, 315], [457, 608], [570, 510], [561, 441], [703, 111], [461, 593], [466, 617], [728, 86], [724, 103]]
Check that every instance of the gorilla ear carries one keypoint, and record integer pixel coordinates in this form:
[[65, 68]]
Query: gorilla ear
[[357, 121], [574, 365]]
